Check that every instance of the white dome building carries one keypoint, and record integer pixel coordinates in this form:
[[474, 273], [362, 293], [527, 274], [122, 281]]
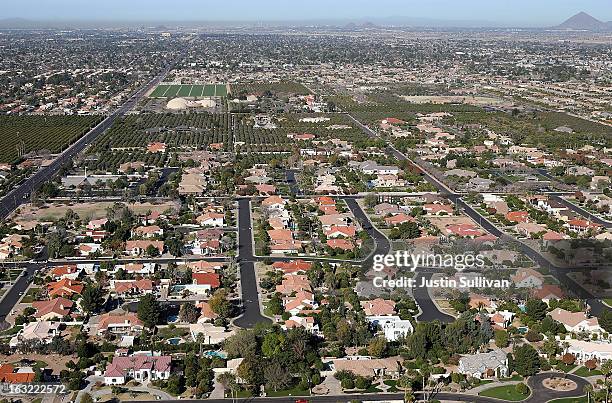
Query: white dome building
[[206, 103], [177, 104]]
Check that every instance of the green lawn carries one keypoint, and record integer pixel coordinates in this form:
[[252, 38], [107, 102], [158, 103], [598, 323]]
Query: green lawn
[[608, 301], [11, 331], [564, 367], [196, 90], [184, 91], [209, 90], [241, 394], [167, 332], [508, 393], [392, 385], [159, 91], [581, 399], [29, 297], [515, 377], [288, 392], [584, 372]]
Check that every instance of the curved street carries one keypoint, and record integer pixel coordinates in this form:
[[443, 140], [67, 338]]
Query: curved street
[[539, 394]]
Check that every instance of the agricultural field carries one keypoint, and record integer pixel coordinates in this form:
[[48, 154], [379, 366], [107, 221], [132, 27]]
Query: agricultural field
[[539, 128], [252, 139], [196, 130], [26, 134], [187, 90], [377, 106], [280, 88]]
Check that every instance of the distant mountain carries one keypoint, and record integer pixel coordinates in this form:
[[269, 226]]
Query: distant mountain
[[584, 22]]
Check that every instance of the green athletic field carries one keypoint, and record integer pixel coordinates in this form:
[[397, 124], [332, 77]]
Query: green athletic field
[[207, 90]]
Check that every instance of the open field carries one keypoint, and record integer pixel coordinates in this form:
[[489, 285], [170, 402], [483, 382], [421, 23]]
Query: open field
[[280, 88], [441, 99], [188, 90], [84, 210], [40, 133]]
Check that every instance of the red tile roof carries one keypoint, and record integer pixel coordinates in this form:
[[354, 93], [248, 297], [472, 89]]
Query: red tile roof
[[212, 279]]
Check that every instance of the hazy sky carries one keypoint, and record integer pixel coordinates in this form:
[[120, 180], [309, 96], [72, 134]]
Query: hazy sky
[[511, 12]]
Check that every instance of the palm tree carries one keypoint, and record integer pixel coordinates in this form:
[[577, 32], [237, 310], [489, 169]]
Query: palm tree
[[606, 369], [588, 389], [228, 380]]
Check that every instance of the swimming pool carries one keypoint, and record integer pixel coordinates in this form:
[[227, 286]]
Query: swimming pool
[[218, 354]]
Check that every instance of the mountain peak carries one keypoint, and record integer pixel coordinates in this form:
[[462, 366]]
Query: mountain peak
[[584, 22]]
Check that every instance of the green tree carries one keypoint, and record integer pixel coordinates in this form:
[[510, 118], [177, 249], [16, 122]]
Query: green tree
[[605, 320], [271, 345], [536, 309], [275, 305], [86, 398], [91, 300], [220, 304], [152, 251], [228, 381], [149, 310], [176, 385], [370, 200], [502, 340], [377, 347], [242, 344], [276, 377], [189, 313], [522, 389], [526, 360]]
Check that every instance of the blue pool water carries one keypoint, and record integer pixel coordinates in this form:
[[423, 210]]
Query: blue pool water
[[213, 353]]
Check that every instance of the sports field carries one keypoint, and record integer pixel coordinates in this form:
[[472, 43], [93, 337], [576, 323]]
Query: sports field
[[206, 90]]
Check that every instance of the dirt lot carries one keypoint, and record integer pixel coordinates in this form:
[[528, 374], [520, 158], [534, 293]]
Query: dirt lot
[[86, 211], [55, 362]]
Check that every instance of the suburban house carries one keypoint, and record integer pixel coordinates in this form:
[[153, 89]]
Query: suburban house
[[576, 321], [378, 307], [65, 288], [307, 322], [527, 278], [65, 271], [485, 365], [206, 313], [131, 287], [208, 333], [393, 327], [211, 219], [548, 292], [56, 308], [136, 248], [300, 302], [149, 231], [119, 324], [42, 331], [273, 203], [10, 374], [587, 350], [139, 367], [294, 266], [212, 280]]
